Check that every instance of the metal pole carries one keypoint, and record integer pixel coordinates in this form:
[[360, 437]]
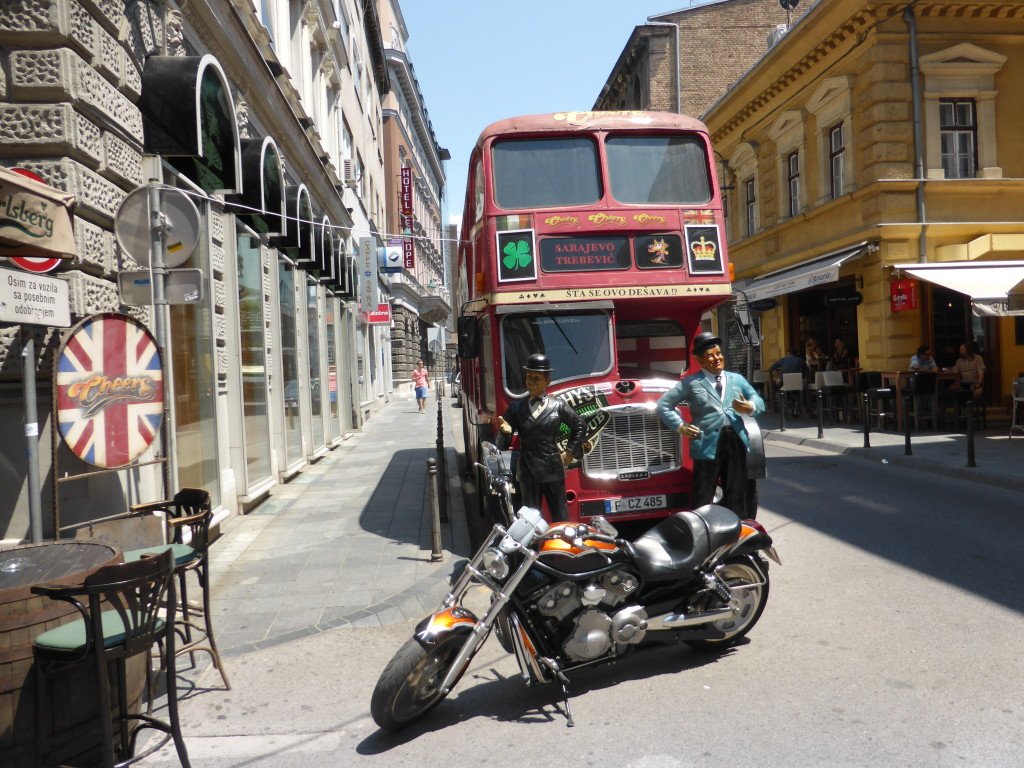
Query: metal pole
[[866, 410], [157, 275], [970, 434], [435, 513], [28, 356], [906, 425], [782, 410], [442, 464], [821, 426]]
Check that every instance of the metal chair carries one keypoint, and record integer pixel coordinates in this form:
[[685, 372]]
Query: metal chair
[[190, 510], [793, 383], [881, 400], [1017, 405], [834, 388], [120, 608], [925, 393]]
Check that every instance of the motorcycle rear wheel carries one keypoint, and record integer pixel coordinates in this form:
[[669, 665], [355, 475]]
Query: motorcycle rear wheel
[[410, 685], [751, 602]]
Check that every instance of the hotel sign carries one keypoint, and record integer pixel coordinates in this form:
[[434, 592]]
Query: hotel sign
[[406, 211]]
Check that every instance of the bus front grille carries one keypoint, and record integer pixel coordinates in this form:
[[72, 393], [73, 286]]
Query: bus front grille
[[634, 442]]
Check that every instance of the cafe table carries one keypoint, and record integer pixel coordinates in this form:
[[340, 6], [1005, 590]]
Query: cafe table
[[23, 617]]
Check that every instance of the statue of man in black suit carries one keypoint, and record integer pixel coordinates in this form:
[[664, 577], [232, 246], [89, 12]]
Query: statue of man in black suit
[[537, 418]]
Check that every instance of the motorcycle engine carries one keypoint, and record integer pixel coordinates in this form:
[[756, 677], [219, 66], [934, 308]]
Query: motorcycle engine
[[596, 629]]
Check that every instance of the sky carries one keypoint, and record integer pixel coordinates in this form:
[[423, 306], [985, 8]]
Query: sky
[[478, 61]]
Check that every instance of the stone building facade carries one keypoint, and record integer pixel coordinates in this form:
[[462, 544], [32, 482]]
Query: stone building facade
[[276, 364], [685, 60], [870, 147], [420, 297]]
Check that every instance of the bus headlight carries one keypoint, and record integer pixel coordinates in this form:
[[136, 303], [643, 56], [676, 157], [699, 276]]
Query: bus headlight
[[495, 563]]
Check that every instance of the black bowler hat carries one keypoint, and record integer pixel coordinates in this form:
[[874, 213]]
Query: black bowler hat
[[704, 340], [539, 363]]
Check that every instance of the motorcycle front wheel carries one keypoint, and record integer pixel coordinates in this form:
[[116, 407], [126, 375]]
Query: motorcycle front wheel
[[410, 685], [750, 596]]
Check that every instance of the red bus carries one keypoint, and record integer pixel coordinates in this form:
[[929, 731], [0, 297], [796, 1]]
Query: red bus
[[597, 239]]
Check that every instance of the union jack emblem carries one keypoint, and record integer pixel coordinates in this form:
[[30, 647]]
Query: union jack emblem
[[110, 390], [701, 216]]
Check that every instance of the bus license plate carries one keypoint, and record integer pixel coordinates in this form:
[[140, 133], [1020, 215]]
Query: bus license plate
[[635, 503]]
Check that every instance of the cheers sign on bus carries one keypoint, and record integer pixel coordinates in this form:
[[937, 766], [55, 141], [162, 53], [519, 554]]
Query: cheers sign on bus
[[109, 390]]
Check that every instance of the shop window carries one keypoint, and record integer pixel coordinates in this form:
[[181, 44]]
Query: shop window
[[252, 348], [289, 362], [194, 372], [316, 402], [960, 112]]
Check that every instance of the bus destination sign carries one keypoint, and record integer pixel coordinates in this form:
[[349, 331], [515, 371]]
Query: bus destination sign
[[584, 254]]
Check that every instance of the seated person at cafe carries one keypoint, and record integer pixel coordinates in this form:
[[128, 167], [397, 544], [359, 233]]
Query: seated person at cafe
[[923, 360], [813, 355], [791, 363], [840, 358], [970, 370]]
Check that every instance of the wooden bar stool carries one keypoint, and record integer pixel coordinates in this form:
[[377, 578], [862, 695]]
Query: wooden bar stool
[[120, 607], [190, 510]]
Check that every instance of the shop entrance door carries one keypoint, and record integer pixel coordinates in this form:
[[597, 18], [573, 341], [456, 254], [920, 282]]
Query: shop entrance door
[[813, 315]]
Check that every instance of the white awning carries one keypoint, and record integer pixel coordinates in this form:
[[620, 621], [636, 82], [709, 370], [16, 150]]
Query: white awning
[[820, 270], [978, 279]]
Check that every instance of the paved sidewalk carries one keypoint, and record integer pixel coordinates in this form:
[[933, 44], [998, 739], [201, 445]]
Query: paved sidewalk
[[999, 459], [346, 542]]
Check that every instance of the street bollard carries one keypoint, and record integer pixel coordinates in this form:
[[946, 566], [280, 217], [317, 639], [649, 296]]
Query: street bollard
[[782, 411], [906, 425], [970, 434], [866, 412], [442, 465], [821, 426], [435, 513]]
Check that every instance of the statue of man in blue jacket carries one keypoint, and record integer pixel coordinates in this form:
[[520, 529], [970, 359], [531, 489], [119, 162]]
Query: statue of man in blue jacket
[[719, 440]]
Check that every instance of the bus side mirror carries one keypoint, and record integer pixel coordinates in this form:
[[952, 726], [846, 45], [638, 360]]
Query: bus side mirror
[[468, 343]]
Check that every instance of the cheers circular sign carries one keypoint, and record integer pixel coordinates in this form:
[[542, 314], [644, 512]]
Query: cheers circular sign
[[110, 390]]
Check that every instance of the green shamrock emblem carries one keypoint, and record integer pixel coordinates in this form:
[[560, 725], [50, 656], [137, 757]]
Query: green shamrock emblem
[[517, 255]]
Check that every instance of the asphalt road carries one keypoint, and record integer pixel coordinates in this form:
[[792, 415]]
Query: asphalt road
[[892, 637]]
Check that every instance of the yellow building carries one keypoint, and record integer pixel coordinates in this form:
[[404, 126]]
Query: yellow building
[[869, 145]]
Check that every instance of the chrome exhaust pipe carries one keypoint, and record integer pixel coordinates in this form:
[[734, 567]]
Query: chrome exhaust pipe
[[671, 621]]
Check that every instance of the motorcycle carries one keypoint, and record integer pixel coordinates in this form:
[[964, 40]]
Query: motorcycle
[[567, 596]]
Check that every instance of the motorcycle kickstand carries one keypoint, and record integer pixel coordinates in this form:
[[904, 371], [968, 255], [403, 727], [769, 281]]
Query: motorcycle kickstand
[[564, 681]]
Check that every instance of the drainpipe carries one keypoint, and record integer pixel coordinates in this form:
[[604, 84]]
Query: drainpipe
[[679, 86], [915, 86]]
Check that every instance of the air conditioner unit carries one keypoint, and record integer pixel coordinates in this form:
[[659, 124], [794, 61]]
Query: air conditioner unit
[[348, 173]]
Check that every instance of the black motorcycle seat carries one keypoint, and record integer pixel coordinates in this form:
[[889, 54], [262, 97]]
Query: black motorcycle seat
[[676, 546]]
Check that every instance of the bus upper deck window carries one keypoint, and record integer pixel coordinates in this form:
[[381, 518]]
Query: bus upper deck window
[[545, 173], [658, 169]]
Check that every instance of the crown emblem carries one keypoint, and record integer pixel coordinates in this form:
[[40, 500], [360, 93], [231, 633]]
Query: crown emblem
[[703, 249]]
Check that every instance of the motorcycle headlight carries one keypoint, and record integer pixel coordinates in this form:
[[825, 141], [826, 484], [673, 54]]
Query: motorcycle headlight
[[495, 563]]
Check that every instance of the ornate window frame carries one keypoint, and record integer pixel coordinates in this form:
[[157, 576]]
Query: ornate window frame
[[788, 135], [743, 166], [963, 71], [831, 104]]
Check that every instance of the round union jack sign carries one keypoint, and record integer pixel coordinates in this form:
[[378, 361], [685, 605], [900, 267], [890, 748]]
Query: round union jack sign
[[110, 390]]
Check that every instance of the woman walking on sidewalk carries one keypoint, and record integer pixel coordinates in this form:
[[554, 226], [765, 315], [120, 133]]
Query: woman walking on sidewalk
[[419, 380]]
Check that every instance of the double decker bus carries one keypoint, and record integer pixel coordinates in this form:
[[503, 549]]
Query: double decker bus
[[597, 239]]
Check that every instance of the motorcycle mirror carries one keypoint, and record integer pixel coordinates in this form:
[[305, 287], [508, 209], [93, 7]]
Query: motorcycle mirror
[[602, 524]]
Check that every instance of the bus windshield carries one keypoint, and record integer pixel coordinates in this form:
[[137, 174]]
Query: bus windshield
[[544, 173], [578, 343], [658, 169]]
